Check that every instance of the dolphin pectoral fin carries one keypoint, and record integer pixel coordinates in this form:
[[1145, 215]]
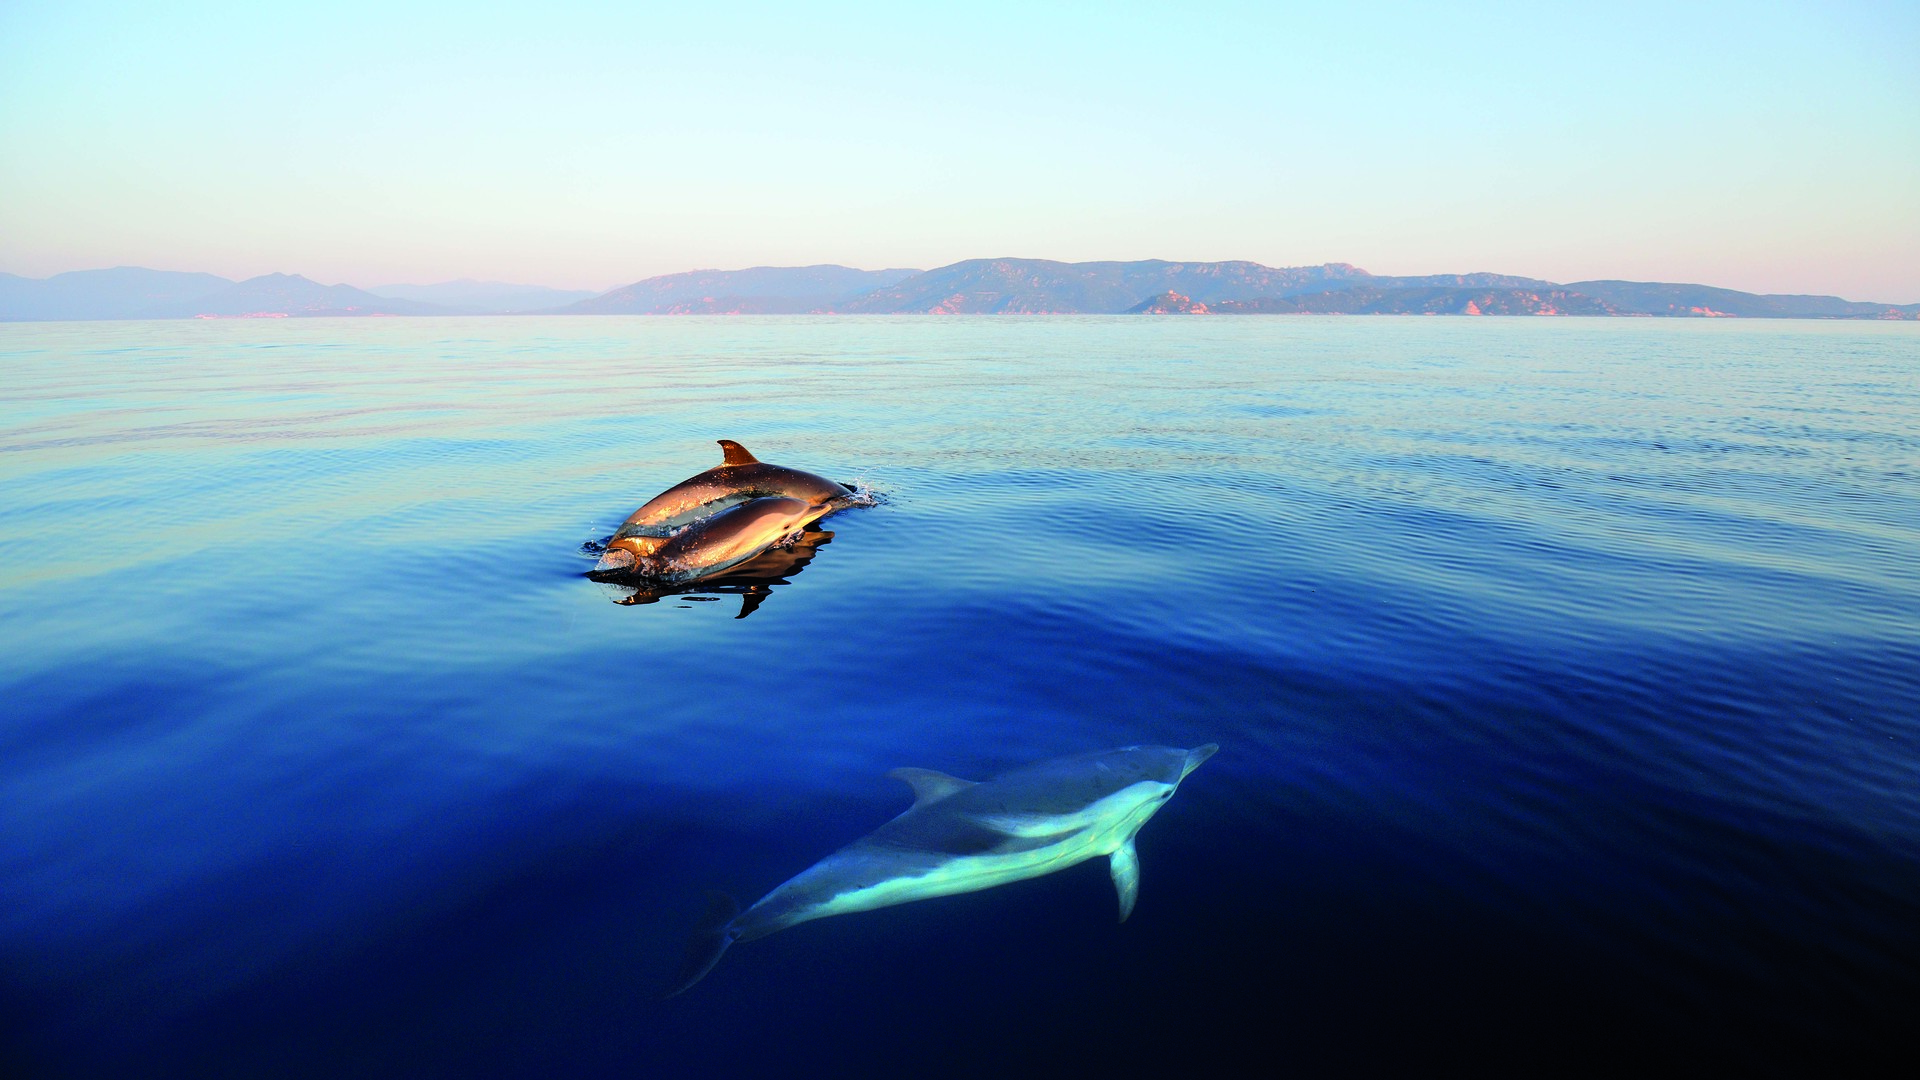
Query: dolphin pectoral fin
[[1125, 864], [929, 786], [708, 943], [735, 453], [751, 600]]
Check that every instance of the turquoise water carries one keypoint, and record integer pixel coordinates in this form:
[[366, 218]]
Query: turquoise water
[[1566, 674]]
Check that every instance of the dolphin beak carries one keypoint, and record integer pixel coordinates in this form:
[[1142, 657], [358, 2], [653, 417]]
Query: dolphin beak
[[1197, 756], [626, 552], [614, 559], [620, 555]]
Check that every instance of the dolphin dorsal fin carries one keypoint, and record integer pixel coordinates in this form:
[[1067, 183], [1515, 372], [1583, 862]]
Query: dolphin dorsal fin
[[929, 786], [736, 454]]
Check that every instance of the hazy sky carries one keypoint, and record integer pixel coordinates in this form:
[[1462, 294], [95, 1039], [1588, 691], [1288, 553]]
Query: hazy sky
[[1762, 147]]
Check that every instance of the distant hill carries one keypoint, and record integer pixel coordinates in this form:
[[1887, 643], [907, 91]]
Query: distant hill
[[1153, 286], [1372, 300], [124, 292], [290, 295], [1042, 286], [1661, 298], [761, 290], [130, 292], [469, 297], [974, 286], [1459, 281], [1168, 303]]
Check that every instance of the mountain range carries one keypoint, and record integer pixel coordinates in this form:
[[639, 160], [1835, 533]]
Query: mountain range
[[132, 292], [974, 286]]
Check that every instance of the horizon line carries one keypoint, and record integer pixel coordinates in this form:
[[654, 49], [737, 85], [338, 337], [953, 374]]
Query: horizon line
[[919, 270]]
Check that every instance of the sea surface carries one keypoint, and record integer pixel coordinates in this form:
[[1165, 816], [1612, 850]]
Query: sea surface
[[1566, 675]]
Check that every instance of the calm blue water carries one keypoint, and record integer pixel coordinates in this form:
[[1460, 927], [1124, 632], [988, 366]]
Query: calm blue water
[[1566, 674]]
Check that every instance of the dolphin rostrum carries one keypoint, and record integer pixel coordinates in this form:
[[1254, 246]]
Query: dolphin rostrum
[[739, 477], [960, 836], [728, 538]]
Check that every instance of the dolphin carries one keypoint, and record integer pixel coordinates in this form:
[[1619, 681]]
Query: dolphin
[[739, 477], [728, 538], [752, 580], [960, 836]]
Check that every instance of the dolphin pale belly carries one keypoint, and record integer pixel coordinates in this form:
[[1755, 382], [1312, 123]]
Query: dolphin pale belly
[[960, 836], [726, 539], [738, 478]]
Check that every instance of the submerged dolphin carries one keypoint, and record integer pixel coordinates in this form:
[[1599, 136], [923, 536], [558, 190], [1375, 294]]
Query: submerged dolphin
[[728, 538], [960, 836], [739, 477]]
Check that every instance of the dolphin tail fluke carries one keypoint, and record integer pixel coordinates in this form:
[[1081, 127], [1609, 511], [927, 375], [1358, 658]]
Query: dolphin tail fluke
[[709, 942], [1125, 864]]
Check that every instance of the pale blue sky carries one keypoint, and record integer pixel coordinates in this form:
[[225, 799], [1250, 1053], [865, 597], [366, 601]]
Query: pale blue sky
[[1770, 147]]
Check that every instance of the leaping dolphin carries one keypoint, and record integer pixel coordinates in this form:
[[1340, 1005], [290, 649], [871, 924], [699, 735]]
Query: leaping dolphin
[[726, 539], [960, 836], [739, 477]]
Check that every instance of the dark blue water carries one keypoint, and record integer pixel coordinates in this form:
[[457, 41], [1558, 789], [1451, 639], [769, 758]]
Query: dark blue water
[[1566, 674]]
